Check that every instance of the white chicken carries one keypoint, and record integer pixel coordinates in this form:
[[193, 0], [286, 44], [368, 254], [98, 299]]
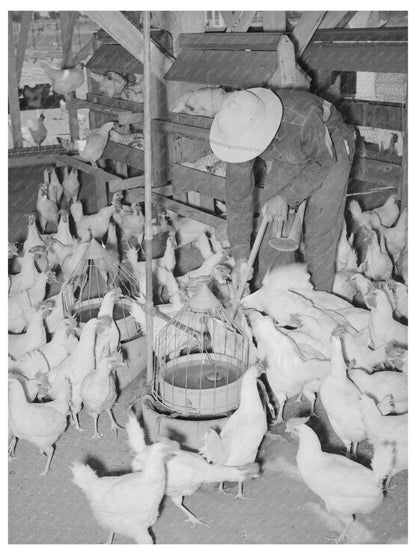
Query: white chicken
[[46, 208], [239, 440], [186, 471], [98, 390], [398, 296], [346, 255], [383, 327], [39, 423], [55, 189], [345, 486], [112, 84], [70, 184], [380, 384], [341, 400], [97, 224], [289, 372], [127, 504], [34, 337], [388, 212], [33, 238], [377, 263], [386, 429], [396, 237]]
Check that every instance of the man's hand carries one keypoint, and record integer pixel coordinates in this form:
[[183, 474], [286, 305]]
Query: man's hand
[[275, 209], [237, 275]]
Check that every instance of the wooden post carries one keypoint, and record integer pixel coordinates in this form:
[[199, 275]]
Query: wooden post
[[404, 185], [242, 22], [305, 28], [100, 192], [21, 45], [14, 106], [148, 231], [68, 20], [285, 75]]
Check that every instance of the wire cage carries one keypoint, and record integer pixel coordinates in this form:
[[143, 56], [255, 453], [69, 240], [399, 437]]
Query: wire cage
[[200, 357], [96, 274]]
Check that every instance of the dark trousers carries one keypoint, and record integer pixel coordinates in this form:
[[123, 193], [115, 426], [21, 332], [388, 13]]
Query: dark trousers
[[322, 222]]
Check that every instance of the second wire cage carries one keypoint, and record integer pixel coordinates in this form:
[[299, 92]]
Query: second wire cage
[[200, 358]]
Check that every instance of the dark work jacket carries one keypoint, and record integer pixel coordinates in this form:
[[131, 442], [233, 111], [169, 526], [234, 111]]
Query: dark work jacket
[[300, 156]]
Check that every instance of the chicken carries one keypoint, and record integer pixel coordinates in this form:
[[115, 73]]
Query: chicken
[[39, 423], [386, 429], [38, 130], [358, 355], [64, 81], [370, 220], [341, 400], [396, 237], [63, 235], [240, 438], [108, 340], [377, 263], [402, 264], [34, 337], [205, 101], [380, 384], [56, 251], [46, 208], [71, 260], [127, 504], [70, 184], [206, 267], [131, 223], [383, 328], [33, 238], [345, 486], [49, 355], [75, 367], [22, 305], [398, 296], [12, 250], [204, 246], [111, 244], [97, 224], [289, 372], [98, 390], [55, 189], [27, 276], [343, 286], [346, 255], [111, 85], [186, 471], [187, 229], [388, 212], [92, 148]]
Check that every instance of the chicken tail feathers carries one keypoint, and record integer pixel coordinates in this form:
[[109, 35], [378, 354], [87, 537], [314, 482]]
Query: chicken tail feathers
[[83, 476], [212, 447], [135, 435], [383, 460]]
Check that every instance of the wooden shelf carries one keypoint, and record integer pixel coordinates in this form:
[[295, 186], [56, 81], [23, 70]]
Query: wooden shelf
[[124, 154], [187, 179], [123, 116]]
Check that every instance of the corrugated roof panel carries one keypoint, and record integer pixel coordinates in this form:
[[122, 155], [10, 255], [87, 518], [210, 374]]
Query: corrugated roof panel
[[113, 57], [230, 68]]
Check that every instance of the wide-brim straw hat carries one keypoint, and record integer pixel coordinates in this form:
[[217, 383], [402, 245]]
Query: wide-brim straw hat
[[245, 124]]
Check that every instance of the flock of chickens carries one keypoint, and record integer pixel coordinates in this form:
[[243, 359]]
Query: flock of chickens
[[350, 347]]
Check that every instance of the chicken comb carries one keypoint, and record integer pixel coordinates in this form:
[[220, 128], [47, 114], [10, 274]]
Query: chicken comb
[[293, 423]]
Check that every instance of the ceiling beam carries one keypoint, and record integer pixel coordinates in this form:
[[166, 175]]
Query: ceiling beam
[[305, 28], [336, 19], [274, 21], [131, 38], [21, 45], [241, 22]]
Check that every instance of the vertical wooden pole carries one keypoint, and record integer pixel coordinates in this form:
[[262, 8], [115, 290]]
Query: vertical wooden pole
[[21, 45], [14, 91], [68, 20], [148, 231], [403, 193]]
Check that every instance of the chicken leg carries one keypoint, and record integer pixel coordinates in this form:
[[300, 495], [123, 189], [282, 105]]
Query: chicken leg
[[178, 502], [110, 538], [49, 451], [96, 434], [348, 523], [114, 425], [12, 446]]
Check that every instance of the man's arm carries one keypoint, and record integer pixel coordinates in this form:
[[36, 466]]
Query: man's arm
[[239, 186]]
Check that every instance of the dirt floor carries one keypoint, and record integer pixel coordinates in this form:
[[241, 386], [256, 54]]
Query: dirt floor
[[280, 509]]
